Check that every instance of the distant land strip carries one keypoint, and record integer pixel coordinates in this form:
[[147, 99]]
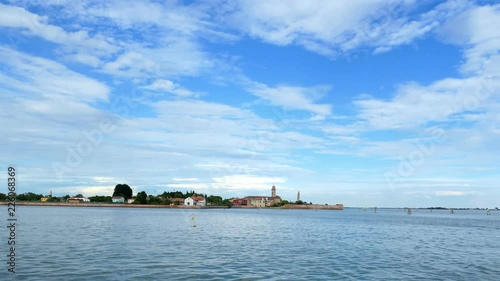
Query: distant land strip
[[115, 205]]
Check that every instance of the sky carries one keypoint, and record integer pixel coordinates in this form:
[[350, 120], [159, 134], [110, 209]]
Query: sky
[[364, 103]]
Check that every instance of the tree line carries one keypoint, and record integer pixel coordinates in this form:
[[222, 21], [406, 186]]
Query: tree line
[[126, 192]]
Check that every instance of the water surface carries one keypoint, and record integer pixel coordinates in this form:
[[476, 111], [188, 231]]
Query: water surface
[[69, 243]]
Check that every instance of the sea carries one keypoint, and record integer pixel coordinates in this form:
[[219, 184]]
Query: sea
[[81, 243]]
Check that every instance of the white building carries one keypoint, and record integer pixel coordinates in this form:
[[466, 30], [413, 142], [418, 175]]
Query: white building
[[189, 201], [81, 198], [118, 199], [195, 201]]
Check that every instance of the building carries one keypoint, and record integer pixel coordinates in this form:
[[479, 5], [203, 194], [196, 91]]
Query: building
[[263, 201], [80, 198], [239, 202], [45, 198], [118, 199], [131, 200], [195, 201]]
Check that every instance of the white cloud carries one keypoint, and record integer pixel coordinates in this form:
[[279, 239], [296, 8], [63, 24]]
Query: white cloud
[[292, 97], [415, 105], [445, 100], [86, 191], [105, 179], [195, 186], [452, 193], [170, 87], [185, 179], [35, 25], [236, 182], [172, 56], [476, 29], [47, 78], [331, 27]]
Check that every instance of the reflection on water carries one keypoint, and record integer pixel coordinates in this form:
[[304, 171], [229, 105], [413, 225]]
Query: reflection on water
[[63, 243]]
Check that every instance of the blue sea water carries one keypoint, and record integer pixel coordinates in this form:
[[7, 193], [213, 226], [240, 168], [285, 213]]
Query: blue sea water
[[70, 243]]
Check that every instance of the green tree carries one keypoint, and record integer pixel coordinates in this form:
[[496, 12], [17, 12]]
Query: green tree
[[215, 200], [100, 199], [30, 196], [227, 202], [154, 199], [166, 201], [3, 197], [53, 199], [141, 198], [123, 190]]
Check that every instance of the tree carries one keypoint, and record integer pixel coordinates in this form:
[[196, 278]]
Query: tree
[[227, 202], [3, 197], [166, 201], [123, 190], [30, 196], [101, 199], [141, 198], [53, 199], [154, 199], [215, 200]]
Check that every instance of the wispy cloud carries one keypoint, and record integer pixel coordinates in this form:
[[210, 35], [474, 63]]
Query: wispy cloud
[[292, 97], [332, 28], [170, 87]]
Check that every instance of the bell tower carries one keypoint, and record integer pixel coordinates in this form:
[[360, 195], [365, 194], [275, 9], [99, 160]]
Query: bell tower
[[273, 191]]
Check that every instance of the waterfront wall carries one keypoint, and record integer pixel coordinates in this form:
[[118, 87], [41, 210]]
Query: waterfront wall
[[313, 207]]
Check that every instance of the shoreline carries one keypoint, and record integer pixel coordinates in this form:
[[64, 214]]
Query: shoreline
[[115, 205]]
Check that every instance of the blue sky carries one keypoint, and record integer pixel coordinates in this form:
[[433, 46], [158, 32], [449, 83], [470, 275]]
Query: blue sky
[[365, 103]]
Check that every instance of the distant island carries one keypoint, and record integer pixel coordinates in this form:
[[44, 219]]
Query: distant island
[[123, 197]]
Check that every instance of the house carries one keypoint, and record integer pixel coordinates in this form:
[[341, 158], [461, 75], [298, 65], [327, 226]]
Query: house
[[200, 201], [195, 201], [80, 198], [239, 202], [189, 201], [118, 199], [263, 201], [131, 200]]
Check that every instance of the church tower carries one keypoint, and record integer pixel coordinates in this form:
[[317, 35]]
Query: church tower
[[298, 196], [273, 191]]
